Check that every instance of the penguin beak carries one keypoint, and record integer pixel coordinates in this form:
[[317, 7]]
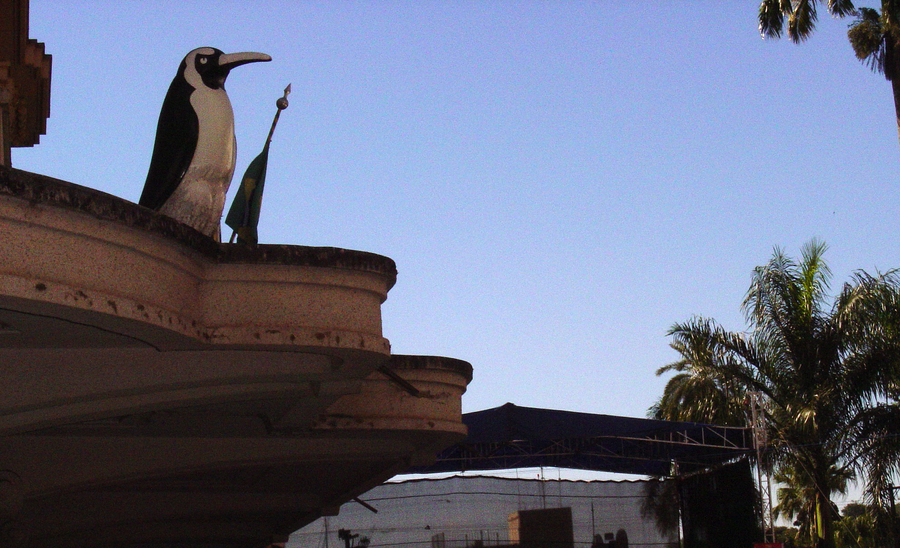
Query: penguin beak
[[231, 60], [216, 78]]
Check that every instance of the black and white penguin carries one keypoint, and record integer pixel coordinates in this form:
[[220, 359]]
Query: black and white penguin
[[193, 157]]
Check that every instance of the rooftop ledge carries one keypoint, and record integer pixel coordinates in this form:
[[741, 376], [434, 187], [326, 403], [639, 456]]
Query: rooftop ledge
[[110, 273]]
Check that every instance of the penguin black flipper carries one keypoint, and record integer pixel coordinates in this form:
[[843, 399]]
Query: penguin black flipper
[[176, 141]]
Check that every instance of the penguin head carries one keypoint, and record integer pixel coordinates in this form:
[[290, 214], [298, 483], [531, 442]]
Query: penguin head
[[209, 67]]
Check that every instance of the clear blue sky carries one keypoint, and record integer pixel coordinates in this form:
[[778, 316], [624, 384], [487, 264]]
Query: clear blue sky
[[558, 182]]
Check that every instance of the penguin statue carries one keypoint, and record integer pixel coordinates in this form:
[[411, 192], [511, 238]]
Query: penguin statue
[[193, 157]]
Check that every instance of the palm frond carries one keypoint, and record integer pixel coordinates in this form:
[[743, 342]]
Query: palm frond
[[879, 437], [784, 306], [802, 21], [801, 15], [771, 17], [761, 305], [698, 399], [841, 8], [815, 275]]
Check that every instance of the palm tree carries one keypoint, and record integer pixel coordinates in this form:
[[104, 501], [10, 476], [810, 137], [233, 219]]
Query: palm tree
[[820, 367], [797, 498], [874, 35]]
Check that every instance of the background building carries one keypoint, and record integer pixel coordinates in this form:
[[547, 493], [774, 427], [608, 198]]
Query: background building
[[460, 510]]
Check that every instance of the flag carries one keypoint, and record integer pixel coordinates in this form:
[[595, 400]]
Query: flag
[[243, 217]]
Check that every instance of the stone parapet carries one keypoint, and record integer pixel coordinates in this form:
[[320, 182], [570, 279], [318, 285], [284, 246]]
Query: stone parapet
[[80, 252]]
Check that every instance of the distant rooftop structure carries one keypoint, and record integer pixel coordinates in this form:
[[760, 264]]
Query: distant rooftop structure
[[466, 511]]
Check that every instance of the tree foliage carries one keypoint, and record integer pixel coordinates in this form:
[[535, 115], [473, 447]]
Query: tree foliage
[[863, 526]]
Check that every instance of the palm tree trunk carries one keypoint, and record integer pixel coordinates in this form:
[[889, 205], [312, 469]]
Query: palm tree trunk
[[824, 521], [892, 60], [895, 86]]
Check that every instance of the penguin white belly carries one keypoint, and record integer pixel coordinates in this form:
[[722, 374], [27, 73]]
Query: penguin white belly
[[200, 197]]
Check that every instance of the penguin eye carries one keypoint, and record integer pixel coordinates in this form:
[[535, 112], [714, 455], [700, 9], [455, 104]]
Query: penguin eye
[[203, 60]]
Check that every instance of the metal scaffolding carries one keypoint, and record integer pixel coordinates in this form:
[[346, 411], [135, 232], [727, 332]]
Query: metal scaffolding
[[517, 437]]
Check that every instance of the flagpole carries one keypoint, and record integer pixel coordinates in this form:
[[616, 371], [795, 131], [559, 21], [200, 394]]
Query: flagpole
[[281, 103]]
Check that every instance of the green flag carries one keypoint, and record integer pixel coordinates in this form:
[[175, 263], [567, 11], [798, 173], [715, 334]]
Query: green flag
[[243, 217]]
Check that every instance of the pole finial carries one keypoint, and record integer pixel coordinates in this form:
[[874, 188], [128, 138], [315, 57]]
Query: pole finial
[[282, 102]]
